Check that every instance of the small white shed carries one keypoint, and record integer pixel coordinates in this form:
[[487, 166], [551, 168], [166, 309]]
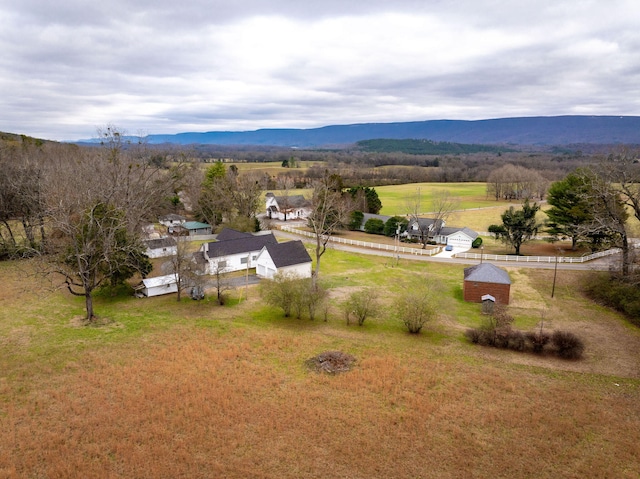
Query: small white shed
[[159, 285]]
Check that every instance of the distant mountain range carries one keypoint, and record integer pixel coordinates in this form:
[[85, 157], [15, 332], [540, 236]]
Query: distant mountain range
[[553, 130]]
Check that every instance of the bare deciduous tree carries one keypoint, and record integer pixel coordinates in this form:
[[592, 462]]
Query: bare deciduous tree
[[443, 205], [97, 202], [510, 182], [182, 265], [330, 212]]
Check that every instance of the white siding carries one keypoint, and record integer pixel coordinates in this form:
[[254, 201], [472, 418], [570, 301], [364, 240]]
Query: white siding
[[234, 262], [161, 252], [299, 270], [159, 285], [266, 268], [459, 240]]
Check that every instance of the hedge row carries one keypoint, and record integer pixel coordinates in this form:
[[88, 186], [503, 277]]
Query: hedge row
[[561, 343]]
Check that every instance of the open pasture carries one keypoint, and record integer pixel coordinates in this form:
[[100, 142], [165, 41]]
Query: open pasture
[[190, 389], [399, 199]]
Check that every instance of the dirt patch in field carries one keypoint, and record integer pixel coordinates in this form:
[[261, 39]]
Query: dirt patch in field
[[331, 362]]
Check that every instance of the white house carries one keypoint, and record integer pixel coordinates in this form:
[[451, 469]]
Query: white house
[[419, 227], [286, 258], [172, 220], [235, 254], [161, 247], [287, 207], [158, 285], [456, 237]]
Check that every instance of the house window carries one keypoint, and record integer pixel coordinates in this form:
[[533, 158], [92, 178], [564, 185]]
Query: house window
[[222, 264], [244, 260]]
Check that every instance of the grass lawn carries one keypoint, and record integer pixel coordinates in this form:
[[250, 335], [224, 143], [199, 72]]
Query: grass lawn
[[397, 199], [192, 389]]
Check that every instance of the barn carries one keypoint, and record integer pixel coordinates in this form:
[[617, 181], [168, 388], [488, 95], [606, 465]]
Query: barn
[[486, 279]]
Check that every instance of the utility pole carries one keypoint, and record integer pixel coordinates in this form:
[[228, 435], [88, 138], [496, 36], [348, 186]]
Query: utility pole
[[555, 274], [397, 244]]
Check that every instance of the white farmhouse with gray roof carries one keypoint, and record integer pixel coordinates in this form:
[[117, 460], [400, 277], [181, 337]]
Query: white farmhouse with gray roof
[[287, 207], [234, 254]]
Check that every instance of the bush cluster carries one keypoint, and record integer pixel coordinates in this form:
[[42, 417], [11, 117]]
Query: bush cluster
[[295, 295], [619, 293], [498, 333]]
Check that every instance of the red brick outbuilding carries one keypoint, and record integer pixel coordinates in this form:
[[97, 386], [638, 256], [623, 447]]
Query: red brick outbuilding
[[486, 278]]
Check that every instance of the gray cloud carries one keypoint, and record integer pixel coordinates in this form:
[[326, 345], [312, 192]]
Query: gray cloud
[[165, 67]]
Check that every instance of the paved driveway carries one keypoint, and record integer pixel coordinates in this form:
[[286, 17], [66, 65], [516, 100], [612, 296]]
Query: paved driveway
[[449, 254]]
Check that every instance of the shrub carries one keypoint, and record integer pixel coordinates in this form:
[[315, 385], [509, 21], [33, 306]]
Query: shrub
[[537, 340], [391, 226], [416, 305], [567, 345], [516, 341], [473, 335], [621, 294], [374, 226], [282, 291], [502, 336], [477, 242], [356, 220], [362, 304]]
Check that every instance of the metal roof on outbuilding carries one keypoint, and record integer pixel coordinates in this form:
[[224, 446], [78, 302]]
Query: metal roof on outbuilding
[[486, 273]]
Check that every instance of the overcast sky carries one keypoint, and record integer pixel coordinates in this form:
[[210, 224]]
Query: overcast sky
[[166, 66]]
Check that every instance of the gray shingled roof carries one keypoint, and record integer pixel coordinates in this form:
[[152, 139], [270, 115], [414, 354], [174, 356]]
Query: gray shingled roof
[[449, 230], [486, 273], [231, 234], [288, 254], [158, 243], [239, 245], [294, 201]]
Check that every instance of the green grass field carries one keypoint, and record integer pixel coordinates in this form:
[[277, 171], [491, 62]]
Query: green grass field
[[398, 199]]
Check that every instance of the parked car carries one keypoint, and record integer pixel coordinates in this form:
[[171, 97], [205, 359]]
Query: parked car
[[448, 248], [197, 293]]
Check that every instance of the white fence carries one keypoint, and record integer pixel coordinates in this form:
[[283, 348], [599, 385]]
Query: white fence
[[538, 259], [478, 256], [365, 244]]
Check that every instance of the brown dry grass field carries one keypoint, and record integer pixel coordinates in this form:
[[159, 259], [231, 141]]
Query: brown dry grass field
[[166, 389]]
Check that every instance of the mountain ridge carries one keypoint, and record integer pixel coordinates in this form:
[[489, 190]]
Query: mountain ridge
[[538, 130]]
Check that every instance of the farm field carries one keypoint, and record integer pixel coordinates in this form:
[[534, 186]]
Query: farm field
[[394, 197], [191, 389]]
